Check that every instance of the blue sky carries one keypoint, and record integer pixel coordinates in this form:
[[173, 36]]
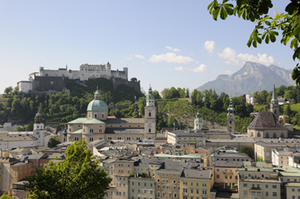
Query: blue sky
[[163, 43]]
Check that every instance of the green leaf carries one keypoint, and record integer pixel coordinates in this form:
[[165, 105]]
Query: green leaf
[[296, 54]]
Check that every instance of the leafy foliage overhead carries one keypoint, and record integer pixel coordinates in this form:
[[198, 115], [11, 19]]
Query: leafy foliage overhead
[[266, 28]]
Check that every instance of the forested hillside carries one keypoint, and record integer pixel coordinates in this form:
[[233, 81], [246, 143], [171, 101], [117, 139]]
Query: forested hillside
[[62, 108]]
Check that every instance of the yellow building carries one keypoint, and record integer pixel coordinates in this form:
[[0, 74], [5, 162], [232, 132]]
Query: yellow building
[[197, 183]]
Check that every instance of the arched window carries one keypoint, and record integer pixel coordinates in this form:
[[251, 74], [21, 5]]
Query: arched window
[[258, 134], [149, 114], [267, 135], [274, 135], [230, 122], [282, 135], [149, 130], [251, 134], [95, 115]]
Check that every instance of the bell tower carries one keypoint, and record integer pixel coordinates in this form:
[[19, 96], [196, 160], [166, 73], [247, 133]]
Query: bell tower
[[231, 118], [274, 107], [150, 116]]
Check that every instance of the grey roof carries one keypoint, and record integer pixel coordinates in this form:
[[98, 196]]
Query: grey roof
[[15, 137], [37, 156], [231, 155], [21, 164], [233, 164], [204, 173], [59, 156], [124, 120], [124, 130], [266, 120]]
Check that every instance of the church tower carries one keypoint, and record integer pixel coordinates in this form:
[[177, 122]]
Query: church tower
[[38, 129], [231, 118], [274, 107], [150, 116], [38, 122], [198, 122]]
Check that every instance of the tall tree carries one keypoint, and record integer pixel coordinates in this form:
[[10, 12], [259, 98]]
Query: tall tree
[[78, 176]]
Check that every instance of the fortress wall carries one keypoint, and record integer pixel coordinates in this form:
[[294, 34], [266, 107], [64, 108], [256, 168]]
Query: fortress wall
[[45, 83], [134, 85]]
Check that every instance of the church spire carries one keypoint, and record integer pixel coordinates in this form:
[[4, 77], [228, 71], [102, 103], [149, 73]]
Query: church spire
[[274, 96], [231, 108], [97, 95]]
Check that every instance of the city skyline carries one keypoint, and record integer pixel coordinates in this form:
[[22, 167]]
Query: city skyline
[[165, 44]]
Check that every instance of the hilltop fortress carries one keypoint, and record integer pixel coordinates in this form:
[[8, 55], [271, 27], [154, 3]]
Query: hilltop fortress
[[56, 80]]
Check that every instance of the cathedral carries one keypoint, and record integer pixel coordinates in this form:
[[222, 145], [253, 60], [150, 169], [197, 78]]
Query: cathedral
[[98, 125], [266, 124]]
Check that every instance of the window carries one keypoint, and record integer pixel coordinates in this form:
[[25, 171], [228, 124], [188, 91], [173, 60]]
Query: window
[[184, 183], [100, 130], [197, 191], [204, 191], [259, 194], [91, 139], [267, 186], [149, 130], [252, 193], [91, 130], [197, 184], [128, 138], [274, 194], [267, 193], [192, 184], [184, 190], [192, 190], [245, 185], [218, 176], [204, 185], [245, 192], [274, 187]]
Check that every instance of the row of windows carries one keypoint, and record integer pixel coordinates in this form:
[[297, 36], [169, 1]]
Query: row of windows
[[145, 191], [163, 194], [226, 177], [274, 186], [167, 187], [145, 184], [259, 194], [192, 184], [167, 174], [197, 191]]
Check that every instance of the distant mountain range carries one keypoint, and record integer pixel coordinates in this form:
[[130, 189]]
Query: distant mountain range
[[250, 78]]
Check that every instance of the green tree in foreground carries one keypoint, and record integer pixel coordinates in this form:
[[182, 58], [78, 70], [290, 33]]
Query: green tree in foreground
[[4, 196], [248, 150], [266, 26], [79, 176], [53, 142]]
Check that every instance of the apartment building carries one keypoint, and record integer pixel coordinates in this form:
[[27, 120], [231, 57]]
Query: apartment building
[[197, 183], [141, 188]]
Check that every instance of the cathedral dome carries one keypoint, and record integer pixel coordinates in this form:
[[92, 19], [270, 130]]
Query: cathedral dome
[[97, 105]]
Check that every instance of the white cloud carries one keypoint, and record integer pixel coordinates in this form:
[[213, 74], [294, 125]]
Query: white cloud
[[129, 58], [200, 69], [260, 58], [180, 68], [227, 72], [171, 58], [172, 49], [209, 46], [139, 56], [230, 57]]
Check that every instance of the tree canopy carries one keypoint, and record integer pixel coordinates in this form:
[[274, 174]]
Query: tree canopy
[[78, 176], [53, 142], [267, 28]]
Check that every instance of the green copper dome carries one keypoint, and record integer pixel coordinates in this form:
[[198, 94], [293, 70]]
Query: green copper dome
[[150, 95], [231, 108], [97, 104], [198, 119]]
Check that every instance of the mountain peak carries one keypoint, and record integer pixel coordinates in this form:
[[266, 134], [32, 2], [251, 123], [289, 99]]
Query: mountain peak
[[250, 78]]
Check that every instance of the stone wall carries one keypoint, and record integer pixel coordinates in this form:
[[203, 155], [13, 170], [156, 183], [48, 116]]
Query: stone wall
[[132, 84]]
